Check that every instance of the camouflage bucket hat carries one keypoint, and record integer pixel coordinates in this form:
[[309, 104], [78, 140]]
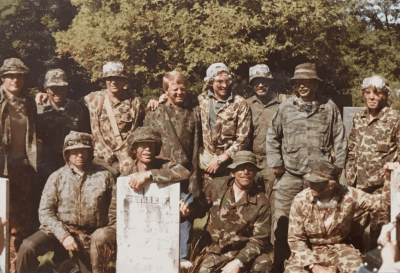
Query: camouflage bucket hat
[[243, 157], [113, 69], [55, 77], [305, 71], [145, 134], [13, 66], [321, 171], [76, 140], [214, 69], [259, 71]]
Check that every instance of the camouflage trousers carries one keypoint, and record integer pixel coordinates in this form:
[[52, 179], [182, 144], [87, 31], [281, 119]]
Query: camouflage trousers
[[95, 250], [284, 191], [21, 178], [339, 258]]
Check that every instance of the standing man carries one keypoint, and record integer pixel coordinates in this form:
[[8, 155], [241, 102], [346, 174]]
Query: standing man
[[225, 121], [115, 113], [56, 118], [305, 127], [373, 141], [180, 134], [18, 153]]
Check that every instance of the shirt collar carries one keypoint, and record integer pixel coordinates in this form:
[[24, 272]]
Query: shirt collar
[[381, 114], [49, 106]]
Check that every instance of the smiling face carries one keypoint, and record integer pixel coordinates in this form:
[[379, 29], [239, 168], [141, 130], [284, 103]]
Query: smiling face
[[306, 88], [116, 84], [57, 94], [145, 152], [220, 85], [261, 85], [176, 93], [244, 175], [376, 99], [13, 83]]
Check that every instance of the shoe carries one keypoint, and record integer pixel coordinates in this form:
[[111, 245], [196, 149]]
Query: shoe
[[185, 264]]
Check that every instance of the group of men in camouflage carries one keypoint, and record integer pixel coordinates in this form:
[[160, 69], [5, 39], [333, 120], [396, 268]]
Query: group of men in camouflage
[[262, 168]]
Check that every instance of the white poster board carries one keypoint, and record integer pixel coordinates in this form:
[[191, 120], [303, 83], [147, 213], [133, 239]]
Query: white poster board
[[148, 228]]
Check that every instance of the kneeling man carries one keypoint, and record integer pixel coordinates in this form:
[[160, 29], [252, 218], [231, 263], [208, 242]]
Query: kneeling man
[[320, 219], [239, 222], [74, 211]]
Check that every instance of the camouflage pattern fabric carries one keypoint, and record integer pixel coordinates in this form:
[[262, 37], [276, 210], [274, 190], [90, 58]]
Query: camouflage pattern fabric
[[129, 114], [371, 145], [239, 230], [181, 135], [13, 66], [337, 257], [307, 221], [53, 125], [295, 137], [80, 203], [55, 77], [232, 126]]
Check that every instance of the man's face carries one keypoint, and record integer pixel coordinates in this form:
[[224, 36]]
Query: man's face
[[244, 175], [13, 83], [116, 84], [78, 157], [306, 87], [145, 152], [57, 94], [221, 85], [176, 93], [261, 85], [375, 100]]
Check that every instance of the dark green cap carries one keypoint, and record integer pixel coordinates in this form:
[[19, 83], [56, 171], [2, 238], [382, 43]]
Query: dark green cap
[[321, 171]]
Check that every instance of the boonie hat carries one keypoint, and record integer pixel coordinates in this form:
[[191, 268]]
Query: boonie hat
[[321, 171], [214, 69], [76, 140], [259, 71], [55, 77], [113, 69], [305, 71], [243, 157], [13, 66]]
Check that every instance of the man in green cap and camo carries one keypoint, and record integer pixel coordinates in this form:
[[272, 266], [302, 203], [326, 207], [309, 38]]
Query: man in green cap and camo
[[18, 154], [305, 127]]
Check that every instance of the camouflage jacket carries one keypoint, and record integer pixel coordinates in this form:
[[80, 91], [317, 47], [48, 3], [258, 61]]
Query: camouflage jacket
[[82, 204], [232, 126], [243, 227], [306, 220], [54, 124], [29, 107], [371, 145], [163, 171], [261, 116], [129, 113], [180, 134], [296, 137]]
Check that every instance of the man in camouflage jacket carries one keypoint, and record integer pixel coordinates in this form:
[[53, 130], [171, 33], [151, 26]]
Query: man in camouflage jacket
[[320, 220], [239, 222], [129, 112], [18, 154], [180, 132], [374, 140], [225, 120], [74, 211], [304, 128]]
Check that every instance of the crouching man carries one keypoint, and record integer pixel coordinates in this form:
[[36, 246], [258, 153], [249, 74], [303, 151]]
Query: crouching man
[[239, 222], [74, 211], [320, 219]]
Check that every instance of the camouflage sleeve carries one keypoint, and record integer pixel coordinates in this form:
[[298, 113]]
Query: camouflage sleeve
[[373, 202], [351, 156], [112, 210], [194, 180], [170, 172], [274, 141], [242, 131], [48, 208], [261, 234], [339, 138], [297, 238]]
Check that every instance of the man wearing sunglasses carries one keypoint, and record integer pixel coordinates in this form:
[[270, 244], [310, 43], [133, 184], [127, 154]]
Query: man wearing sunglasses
[[374, 140], [304, 128], [320, 220]]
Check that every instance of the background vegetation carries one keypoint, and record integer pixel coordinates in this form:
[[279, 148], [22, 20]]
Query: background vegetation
[[348, 40]]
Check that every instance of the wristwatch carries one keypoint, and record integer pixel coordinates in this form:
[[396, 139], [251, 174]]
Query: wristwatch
[[219, 161]]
